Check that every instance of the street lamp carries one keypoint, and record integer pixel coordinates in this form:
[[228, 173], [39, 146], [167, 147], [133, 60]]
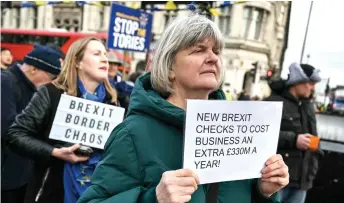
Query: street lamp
[[306, 32]]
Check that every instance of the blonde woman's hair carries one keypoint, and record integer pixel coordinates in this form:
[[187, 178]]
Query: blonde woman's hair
[[67, 79]]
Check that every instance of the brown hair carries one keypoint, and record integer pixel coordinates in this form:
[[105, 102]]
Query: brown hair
[[67, 79]]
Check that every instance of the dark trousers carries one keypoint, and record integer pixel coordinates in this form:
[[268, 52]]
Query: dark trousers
[[13, 196]]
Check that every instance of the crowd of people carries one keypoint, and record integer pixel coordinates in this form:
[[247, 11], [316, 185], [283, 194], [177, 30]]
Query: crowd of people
[[142, 159]]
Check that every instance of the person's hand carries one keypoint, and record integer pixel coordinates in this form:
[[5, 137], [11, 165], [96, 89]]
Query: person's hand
[[275, 176], [177, 186], [67, 154], [303, 141]]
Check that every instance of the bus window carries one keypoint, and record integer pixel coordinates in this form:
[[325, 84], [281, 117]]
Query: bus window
[[37, 39], [60, 41], [33, 39], [21, 39], [18, 38], [6, 38], [43, 40]]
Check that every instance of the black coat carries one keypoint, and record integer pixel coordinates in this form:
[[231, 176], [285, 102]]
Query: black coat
[[297, 118], [29, 136], [17, 92]]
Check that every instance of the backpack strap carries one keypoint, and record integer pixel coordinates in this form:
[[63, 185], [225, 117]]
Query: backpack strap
[[54, 96]]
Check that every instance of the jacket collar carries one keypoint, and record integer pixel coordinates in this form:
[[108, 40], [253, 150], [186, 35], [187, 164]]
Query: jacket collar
[[291, 97], [145, 100], [15, 69]]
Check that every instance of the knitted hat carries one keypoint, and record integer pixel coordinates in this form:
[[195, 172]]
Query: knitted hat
[[44, 58], [57, 49], [302, 73]]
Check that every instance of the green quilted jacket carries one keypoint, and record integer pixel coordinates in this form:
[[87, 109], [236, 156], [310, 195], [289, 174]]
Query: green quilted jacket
[[148, 143]]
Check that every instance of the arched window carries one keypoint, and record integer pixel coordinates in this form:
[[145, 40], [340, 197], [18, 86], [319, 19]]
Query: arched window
[[67, 17], [224, 20], [253, 23]]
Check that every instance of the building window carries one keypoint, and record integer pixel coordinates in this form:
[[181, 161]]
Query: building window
[[68, 18], [16, 15], [277, 51], [169, 15], [101, 18], [281, 15], [5, 7], [3, 13], [34, 17], [253, 23], [224, 20]]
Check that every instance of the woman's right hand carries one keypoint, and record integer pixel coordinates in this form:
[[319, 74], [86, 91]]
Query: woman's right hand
[[177, 186], [67, 154]]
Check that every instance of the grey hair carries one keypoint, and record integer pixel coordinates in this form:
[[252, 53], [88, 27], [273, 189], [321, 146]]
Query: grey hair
[[181, 33]]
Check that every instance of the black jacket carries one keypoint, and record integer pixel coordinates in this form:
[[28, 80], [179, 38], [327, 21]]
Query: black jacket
[[29, 136], [17, 91], [297, 118]]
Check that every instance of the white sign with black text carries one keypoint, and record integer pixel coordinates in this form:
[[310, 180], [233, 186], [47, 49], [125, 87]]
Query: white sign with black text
[[230, 140], [85, 122]]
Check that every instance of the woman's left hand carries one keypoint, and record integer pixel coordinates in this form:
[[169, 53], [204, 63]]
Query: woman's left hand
[[275, 176]]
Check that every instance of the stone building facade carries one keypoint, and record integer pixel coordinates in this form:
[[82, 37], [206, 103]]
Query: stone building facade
[[254, 32]]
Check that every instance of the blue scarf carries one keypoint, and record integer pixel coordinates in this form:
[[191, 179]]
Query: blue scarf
[[76, 178], [98, 96]]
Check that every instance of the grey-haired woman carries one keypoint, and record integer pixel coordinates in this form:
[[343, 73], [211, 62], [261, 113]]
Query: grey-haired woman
[[143, 157]]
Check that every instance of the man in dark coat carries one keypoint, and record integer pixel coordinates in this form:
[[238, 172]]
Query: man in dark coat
[[298, 125], [124, 89], [18, 84]]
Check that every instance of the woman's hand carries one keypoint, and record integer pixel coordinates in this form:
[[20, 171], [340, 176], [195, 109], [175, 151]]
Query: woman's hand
[[275, 176], [67, 154], [177, 186]]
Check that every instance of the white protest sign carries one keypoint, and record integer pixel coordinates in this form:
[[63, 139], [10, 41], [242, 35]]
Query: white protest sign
[[85, 122], [227, 140]]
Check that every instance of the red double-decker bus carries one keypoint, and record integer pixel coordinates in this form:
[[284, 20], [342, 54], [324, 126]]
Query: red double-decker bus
[[21, 42]]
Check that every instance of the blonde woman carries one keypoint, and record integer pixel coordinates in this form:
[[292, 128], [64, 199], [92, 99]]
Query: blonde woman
[[60, 175]]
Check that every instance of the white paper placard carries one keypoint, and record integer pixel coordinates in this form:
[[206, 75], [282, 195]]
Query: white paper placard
[[85, 122], [230, 140]]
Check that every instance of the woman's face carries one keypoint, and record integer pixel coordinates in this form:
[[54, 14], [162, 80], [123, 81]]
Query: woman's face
[[197, 67], [6, 57], [94, 65]]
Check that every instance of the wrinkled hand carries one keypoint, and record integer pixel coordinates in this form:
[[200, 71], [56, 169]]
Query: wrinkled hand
[[67, 154], [303, 141], [275, 176], [177, 186]]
